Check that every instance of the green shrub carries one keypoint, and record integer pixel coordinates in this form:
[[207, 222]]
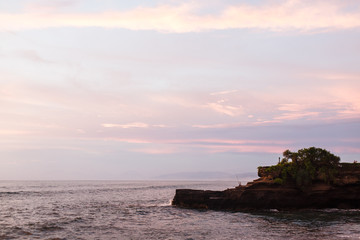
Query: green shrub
[[306, 165], [279, 181]]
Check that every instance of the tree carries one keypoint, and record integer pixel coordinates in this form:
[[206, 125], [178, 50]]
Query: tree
[[289, 155], [306, 165], [316, 156]]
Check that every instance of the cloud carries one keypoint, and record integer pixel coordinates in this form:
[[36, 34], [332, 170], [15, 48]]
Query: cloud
[[260, 122], [14, 132], [237, 145], [292, 107], [160, 150], [129, 125], [211, 145], [334, 76], [214, 141], [302, 15], [349, 98], [220, 125], [297, 115], [133, 125], [165, 145], [129, 140], [49, 6], [342, 149], [225, 109], [244, 148], [223, 92], [351, 140], [32, 56], [342, 103]]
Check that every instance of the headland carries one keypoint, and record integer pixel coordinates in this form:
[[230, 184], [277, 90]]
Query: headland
[[309, 178]]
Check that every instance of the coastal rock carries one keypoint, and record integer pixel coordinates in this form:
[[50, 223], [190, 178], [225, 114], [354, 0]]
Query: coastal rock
[[265, 193]]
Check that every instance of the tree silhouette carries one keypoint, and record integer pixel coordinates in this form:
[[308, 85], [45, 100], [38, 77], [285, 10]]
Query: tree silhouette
[[306, 165]]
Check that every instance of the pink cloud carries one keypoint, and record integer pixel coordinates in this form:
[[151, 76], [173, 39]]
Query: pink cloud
[[169, 146], [151, 145], [223, 92], [156, 151], [342, 102], [225, 109], [297, 115], [227, 141], [134, 125], [128, 140], [341, 149], [160, 126], [301, 15], [243, 148], [350, 99], [32, 56], [260, 122], [202, 141], [129, 125], [351, 140], [220, 125], [334, 76], [292, 107], [14, 132], [256, 122], [49, 6], [234, 145]]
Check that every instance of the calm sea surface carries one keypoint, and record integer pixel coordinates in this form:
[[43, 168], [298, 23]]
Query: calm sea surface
[[142, 210]]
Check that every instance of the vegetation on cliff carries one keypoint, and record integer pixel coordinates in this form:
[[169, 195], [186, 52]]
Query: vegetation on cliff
[[309, 178], [305, 166]]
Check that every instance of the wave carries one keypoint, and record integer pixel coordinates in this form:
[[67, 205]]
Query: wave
[[9, 193], [20, 193]]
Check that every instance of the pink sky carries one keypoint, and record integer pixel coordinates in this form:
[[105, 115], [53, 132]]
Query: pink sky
[[143, 89]]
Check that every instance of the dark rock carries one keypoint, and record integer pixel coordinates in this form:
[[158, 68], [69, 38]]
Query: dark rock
[[264, 193]]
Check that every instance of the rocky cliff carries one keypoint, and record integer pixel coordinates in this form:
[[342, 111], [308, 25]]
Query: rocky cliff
[[266, 193]]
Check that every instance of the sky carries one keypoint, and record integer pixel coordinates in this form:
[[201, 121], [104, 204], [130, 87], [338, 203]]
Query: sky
[[104, 90]]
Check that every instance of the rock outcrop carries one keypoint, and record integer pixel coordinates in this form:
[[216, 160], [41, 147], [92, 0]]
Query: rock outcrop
[[265, 193]]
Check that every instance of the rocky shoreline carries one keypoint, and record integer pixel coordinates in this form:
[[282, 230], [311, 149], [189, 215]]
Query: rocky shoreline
[[267, 193]]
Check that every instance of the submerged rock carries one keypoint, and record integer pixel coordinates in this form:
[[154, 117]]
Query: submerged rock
[[266, 193]]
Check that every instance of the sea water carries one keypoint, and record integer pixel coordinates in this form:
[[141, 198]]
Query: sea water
[[142, 210]]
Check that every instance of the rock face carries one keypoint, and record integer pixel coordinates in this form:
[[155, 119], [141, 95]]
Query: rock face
[[265, 193]]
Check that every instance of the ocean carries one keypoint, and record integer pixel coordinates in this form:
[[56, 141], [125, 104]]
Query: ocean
[[55, 210]]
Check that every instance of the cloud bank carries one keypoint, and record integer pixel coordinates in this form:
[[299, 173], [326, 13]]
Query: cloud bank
[[286, 15]]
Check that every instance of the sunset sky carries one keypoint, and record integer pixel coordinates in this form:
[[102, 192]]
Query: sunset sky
[[106, 89]]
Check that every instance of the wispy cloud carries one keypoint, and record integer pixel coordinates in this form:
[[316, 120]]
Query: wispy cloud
[[156, 151], [294, 111], [334, 76], [220, 125], [223, 92], [342, 149], [244, 148], [292, 107], [225, 109], [214, 141], [50, 6], [297, 115], [210, 145], [303, 15], [128, 140], [350, 99], [32, 56], [129, 125], [14, 132], [134, 125]]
